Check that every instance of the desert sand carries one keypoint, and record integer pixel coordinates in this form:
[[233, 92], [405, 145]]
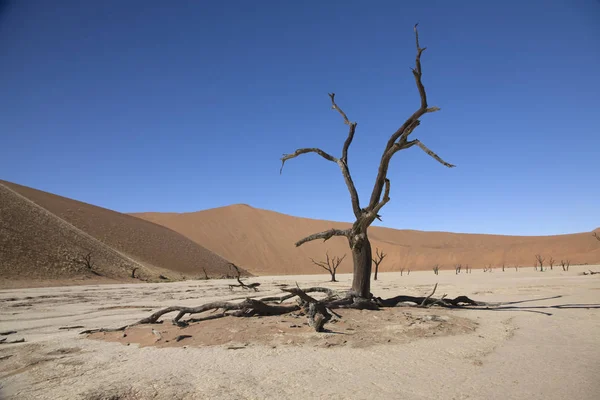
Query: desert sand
[[396, 353]]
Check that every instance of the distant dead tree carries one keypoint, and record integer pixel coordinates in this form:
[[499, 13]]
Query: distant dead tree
[[86, 261], [565, 264], [205, 274], [408, 272], [596, 236], [551, 263], [468, 270], [516, 268], [380, 256], [503, 267], [457, 268], [436, 269], [238, 274], [488, 268], [133, 272], [539, 261], [330, 264], [365, 214], [402, 271]]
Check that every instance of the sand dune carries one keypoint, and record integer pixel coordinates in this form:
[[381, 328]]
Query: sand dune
[[263, 242], [41, 234]]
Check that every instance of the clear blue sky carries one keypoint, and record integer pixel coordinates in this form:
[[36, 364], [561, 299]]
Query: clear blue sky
[[188, 105]]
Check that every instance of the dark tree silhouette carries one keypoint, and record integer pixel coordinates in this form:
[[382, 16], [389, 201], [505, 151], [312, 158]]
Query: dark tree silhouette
[[380, 256], [330, 265], [357, 236]]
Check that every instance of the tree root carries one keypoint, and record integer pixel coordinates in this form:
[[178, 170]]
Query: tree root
[[318, 312]]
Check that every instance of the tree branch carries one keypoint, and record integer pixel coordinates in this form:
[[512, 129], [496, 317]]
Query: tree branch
[[351, 131], [428, 151], [401, 135], [299, 152], [326, 235], [341, 162]]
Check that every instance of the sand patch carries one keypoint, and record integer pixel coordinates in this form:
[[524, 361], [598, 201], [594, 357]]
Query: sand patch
[[356, 328]]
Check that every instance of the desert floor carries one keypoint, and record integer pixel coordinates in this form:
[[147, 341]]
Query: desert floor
[[407, 353]]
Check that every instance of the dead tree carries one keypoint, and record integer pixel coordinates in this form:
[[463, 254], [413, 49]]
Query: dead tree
[[205, 274], [516, 268], [436, 269], [133, 272], [359, 296], [408, 272], [457, 268], [380, 256], [503, 265], [357, 235], [551, 263], [330, 265], [596, 236], [86, 261], [565, 264], [402, 271], [253, 286], [539, 260]]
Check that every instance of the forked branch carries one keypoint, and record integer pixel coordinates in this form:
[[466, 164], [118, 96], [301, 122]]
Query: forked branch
[[341, 162], [399, 139]]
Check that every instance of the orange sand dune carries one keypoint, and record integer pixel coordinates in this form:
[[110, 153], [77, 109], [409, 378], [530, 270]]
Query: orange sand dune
[[263, 242], [41, 234]]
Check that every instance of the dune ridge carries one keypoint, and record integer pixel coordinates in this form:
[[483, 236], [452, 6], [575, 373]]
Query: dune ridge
[[262, 241], [42, 234]]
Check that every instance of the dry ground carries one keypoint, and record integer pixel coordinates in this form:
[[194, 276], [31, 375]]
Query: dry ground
[[396, 353]]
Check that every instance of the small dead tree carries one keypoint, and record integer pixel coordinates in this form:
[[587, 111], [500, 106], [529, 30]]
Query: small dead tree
[[330, 264], [436, 269], [596, 236], [539, 261], [468, 270], [238, 274], [133, 272], [205, 274], [86, 261], [408, 272], [402, 271], [516, 268], [380, 256], [551, 263], [565, 265], [457, 268], [503, 265]]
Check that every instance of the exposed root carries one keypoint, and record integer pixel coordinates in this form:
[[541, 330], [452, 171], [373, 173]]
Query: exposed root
[[318, 312]]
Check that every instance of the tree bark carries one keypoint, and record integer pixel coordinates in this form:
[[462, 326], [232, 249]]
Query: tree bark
[[362, 258]]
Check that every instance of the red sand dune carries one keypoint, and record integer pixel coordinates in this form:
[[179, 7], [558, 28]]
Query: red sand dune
[[41, 234], [263, 242]]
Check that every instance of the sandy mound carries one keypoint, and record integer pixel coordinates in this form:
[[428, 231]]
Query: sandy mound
[[41, 234], [356, 328], [263, 242]]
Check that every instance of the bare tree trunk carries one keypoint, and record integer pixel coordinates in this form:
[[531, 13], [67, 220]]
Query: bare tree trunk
[[362, 258], [376, 271]]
